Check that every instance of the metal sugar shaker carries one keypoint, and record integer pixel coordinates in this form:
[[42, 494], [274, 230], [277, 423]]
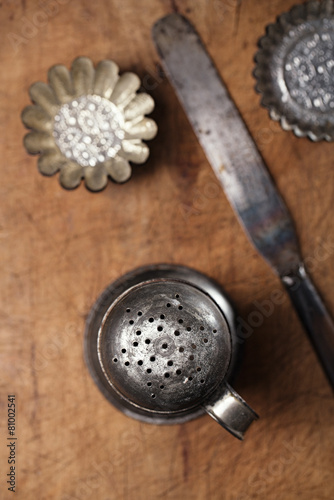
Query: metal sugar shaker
[[161, 345]]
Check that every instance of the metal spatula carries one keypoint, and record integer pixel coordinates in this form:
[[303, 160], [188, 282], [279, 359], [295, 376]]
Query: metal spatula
[[241, 171]]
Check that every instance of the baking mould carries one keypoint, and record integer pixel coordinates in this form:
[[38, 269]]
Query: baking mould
[[88, 123], [295, 69]]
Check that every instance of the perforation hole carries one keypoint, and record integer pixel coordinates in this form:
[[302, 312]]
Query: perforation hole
[[176, 333], [170, 363], [123, 351]]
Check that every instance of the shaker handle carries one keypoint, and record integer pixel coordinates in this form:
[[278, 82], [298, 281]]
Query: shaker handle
[[231, 411]]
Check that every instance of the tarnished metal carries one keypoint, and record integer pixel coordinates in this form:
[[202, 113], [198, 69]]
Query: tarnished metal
[[294, 70], [241, 170], [161, 345], [88, 123], [227, 142], [231, 411]]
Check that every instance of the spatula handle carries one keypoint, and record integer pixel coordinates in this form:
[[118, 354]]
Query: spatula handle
[[314, 316]]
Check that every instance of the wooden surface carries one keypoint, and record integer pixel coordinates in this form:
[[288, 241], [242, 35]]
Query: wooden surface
[[60, 249]]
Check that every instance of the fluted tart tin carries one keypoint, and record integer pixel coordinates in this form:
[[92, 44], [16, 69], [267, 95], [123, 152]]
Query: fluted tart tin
[[88, 123], [295, 70]]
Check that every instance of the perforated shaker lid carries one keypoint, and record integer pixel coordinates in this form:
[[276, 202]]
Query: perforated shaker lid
[[164, 346], [160, 342]]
